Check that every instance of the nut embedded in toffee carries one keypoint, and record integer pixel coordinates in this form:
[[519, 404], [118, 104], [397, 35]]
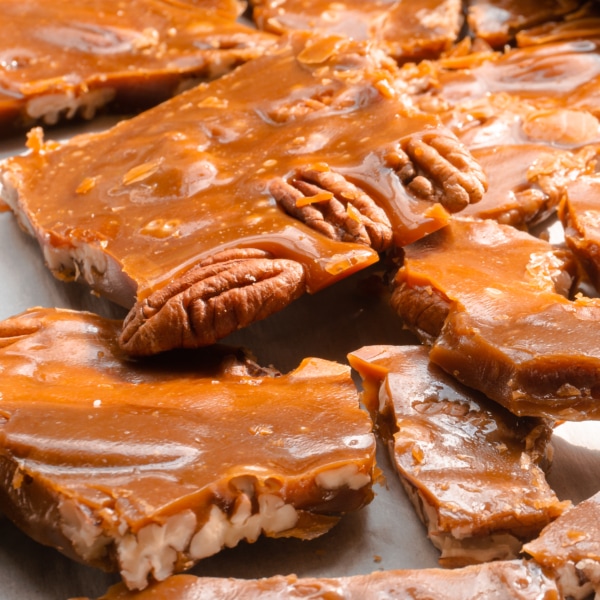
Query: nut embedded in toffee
[[136, 209], [148, 467], [502, 322], [468, 465], [61, 59]]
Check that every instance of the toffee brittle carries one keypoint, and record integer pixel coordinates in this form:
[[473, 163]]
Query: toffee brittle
[[235, 198], [469, 466], [492, 302], [500, 580], [148, 467], [405, 30], [60, 59]]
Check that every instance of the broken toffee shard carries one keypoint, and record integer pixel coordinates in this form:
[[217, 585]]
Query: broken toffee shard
[[569, 550], [61, 59], [148, 467], [493, 304], [500, 580], [469, 466], [314, 168]]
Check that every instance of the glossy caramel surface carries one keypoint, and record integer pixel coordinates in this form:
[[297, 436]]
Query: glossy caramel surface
[[159, 192], [503, 580], [573, 537], [510, 332], [55, 48], [469, 458], [132, 443], [407, 30]]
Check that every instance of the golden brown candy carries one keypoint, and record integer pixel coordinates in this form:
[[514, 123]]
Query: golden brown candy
[[492, 302], [468, 465], [148, 467], [61, 59], [569, 549], [215, 171], [406, 30], [501, 580]]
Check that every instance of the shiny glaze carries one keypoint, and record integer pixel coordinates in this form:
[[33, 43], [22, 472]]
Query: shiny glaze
[[580, 215], [407, 30], [463, 452], [71, 48], [502, 580], [178, 183], [145, 440], [497, 21], [510, 332], [573, 537]]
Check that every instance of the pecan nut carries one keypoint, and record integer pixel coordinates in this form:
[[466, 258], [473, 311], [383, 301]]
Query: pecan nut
[[327, 202], [215, 298], [439, 168]]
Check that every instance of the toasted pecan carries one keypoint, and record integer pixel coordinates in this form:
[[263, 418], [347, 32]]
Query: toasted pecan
[[227, 292]]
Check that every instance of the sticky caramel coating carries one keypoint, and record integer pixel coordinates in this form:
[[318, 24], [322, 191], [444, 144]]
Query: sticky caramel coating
[[497, 21], [579, 213], [148, 199], [569, 549], [407, 31], [501, 580], [467, 463], [113, 462], [60, 58], [502, 324]]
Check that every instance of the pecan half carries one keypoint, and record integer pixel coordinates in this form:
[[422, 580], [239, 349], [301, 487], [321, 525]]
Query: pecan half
[[439, 168], [327, 202], [220, 295]]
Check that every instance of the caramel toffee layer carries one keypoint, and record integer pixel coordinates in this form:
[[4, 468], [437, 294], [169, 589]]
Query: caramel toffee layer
[[492, 302], [501, 580], [323, 165], [148, 467], [469, 466], [60, 59]]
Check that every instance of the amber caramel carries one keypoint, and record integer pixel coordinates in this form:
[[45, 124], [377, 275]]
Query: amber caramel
[[501, 580], [406, 30], [499, 21], [569, 549], [297, 165], [492, 302], [60, 59], [467, 464], [148, 467]]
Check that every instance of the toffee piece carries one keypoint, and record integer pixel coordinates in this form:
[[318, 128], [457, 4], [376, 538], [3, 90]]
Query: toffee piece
[[148, 467], [569, 550], [61, 59], [226, 203], [420, 29], [501, 580], [498, 22], [492, 302], [469, 466]]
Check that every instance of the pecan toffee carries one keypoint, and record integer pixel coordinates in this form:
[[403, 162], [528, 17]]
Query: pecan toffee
[[492, 302], [148, 467], [569, 549], [406, 30], [308, 154], [579, 213], [499, 21], [59, 59], [468, 465], [500, 580]]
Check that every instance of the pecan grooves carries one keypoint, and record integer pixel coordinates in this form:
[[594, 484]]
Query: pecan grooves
[[212, 300]]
